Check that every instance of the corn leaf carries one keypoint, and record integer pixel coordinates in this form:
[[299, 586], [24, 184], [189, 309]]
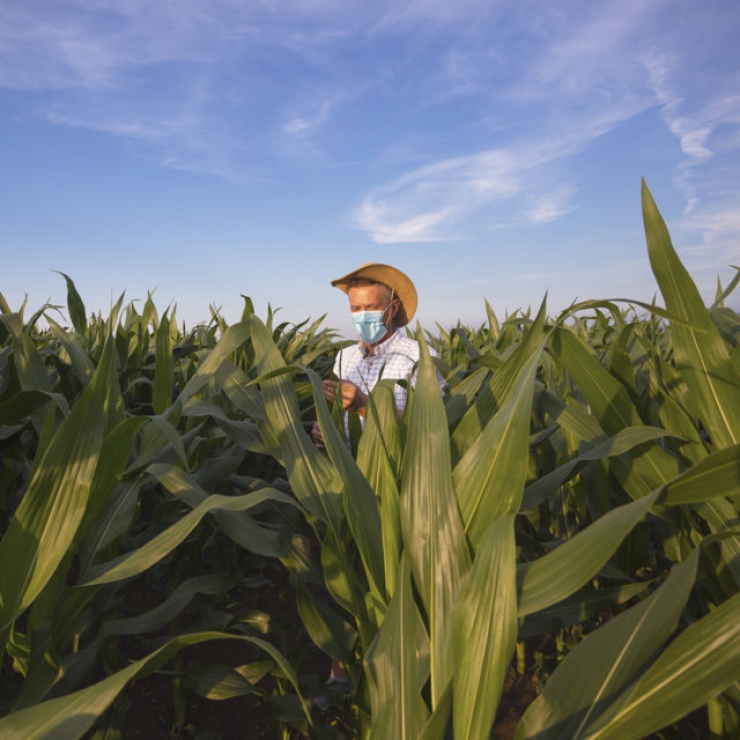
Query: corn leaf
[[21, 405], [238, 525], [48, 517], [716, 475], [314, 480], [593, 674], [75, 306], [71, 716], [164, 369], [76, 667], [614, 410], [154, 550], [219, 682], [489, 478], [360, 502], [555, 576], [329, 631], [379, 459], [498, 389], [485, 631], [697, 666], [234, 337], [579, 607], [432, 530], [700, 353], [622, 442], [397, 669]]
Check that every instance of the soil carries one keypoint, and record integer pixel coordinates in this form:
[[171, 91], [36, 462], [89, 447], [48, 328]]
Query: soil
[[251, 718]]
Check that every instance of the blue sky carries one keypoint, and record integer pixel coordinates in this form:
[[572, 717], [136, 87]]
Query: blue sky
[[207, 149]]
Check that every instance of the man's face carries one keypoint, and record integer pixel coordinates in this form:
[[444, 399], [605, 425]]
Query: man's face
[[369, 298]]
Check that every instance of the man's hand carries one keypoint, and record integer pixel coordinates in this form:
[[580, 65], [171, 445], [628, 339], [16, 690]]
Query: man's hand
[[353, 399], [316, 437]]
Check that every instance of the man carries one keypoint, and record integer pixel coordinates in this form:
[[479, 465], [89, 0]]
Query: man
[[382, 300]]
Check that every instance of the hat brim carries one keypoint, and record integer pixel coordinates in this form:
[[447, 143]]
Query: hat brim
[[397, 281]]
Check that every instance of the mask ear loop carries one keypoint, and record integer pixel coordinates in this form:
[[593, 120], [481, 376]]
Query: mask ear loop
[[393, 295]]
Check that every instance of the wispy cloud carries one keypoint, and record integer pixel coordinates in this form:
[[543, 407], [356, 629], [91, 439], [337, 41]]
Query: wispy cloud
[[424, 204], [718, 229], [186, 76], [303, 125], [427, 204], [501, 92], [551, 204], [584, 73]]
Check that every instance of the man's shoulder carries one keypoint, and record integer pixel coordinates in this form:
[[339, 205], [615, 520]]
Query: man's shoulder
[[411, 347], [404, 345]]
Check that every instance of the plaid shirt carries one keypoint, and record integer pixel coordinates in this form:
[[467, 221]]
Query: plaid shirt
[[395, 358]]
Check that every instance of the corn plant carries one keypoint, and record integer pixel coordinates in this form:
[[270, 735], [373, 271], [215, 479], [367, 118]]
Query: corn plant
[[419, 532], [578, 483], [116, 445]]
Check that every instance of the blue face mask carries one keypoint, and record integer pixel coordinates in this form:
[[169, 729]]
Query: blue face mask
[[369, 325]]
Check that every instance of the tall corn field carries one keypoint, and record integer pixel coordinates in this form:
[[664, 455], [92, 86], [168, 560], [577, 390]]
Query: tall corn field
[[567, 511]]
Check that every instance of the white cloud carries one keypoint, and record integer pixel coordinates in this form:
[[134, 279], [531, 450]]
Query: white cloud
[[508, 185], [386, 227], [553, 203], [200, 83], [719, 226], [424, 204]]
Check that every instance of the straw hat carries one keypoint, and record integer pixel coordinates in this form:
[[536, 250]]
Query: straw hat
[[397, 281]]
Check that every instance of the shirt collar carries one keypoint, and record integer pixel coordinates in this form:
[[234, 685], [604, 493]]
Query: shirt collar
[[386, 347]]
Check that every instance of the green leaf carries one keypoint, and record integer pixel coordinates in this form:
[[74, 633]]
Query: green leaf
[[82, 362], [701, 355], [75, 306], [610, 402], [219, 682], [489, 479], [154, 550], [164, 369], [71, 716], [77, 666], [237, 525], [47, 519], [555, 576], [485, 632], [697, 666], [21, 405], [114, 456], [579, 607], [379, 458], [499, 388], [235, 336], [397, 669], [360, 503], [622, 442], [313, 478], [716, 475], [329, 632], [594, 673], [584, 426], [432, 530]]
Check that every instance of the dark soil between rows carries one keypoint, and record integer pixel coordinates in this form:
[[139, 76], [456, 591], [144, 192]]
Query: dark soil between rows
[[151, 714]]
